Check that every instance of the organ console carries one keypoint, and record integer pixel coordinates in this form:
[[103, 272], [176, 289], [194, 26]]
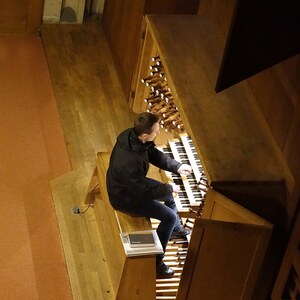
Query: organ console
[[220, 137]]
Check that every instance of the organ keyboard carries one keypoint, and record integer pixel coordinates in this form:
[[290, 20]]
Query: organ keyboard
[[192, 195], [195, 162], [191, 184]]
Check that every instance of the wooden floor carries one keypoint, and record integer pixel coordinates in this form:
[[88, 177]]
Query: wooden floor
[[93, 111]]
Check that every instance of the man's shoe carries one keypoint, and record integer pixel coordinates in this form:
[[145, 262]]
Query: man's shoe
[[163, 271], [182, 232]]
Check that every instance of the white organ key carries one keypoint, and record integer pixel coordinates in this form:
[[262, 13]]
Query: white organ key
[[195, 163], [180, 198], [189, 181], [192, 155]]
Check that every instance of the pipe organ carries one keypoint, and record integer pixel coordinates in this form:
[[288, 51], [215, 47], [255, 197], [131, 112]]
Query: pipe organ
[[234, 164]]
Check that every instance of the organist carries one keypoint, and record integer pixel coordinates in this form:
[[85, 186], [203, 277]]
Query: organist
[[131, 191]]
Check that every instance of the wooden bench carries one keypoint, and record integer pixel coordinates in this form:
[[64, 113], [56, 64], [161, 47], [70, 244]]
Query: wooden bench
[[131, 277]]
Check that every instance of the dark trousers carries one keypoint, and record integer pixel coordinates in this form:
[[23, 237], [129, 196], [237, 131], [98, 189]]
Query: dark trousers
[[165, 212]]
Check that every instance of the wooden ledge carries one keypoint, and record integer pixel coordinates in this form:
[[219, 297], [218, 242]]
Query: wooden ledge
[[131, 278], [128, 222]]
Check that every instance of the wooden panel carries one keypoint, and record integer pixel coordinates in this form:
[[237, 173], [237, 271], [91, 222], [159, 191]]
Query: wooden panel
[[219, 12], [138, 279], [293, 161], [227, 261], [190, 262], [35, 12], [292, 70], [13, 15], [258, 198], [276, 93], [171, 6], [20, 16], [229, 148], [108, 226], [262, 35], [218, 207], [149, 50], [293, 158], [288, 74], [112, 249], [239, 247], [129, 223], [271, 97], [122, 22], [232, 272]]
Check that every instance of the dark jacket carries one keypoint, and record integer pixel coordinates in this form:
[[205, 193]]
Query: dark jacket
[[126, 180]]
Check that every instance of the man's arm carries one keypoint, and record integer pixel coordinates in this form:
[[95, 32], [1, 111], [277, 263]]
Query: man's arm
[[137, 184], [163, 161]]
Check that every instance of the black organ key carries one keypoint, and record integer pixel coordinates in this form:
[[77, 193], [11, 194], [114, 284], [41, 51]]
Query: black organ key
[[189, 181], [191, 195]]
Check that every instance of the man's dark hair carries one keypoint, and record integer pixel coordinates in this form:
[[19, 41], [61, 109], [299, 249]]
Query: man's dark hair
[[144, 122]]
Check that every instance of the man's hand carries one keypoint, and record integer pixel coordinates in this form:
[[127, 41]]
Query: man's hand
[[185, 169], [176, 188]]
